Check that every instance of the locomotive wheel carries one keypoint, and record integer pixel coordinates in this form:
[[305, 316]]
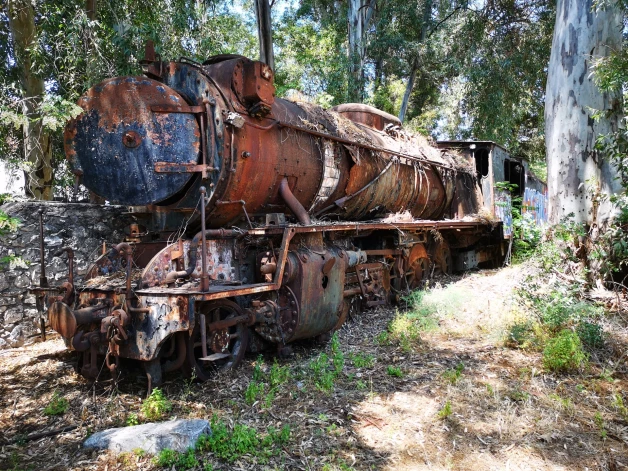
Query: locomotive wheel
[[225, 347], [415, 273], [441, 255], [409, 271]]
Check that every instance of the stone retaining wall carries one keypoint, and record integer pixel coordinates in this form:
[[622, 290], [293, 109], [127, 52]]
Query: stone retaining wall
[[84, 227]]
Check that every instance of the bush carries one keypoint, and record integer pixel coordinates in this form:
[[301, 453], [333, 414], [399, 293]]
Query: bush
[[156, 406], [590, 334], [520, 334], [173, 459], [564, 352]]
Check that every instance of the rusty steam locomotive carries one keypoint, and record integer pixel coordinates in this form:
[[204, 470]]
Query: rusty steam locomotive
[[259, 221]]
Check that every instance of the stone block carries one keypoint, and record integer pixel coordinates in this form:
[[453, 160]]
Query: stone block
[[22, 281], [176, 435], [13, 315]]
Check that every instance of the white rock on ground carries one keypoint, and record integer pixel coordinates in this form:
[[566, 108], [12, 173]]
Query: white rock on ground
[[176, 435]]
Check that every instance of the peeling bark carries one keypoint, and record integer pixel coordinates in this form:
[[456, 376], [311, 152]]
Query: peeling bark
[[37, 145], [359, 16], [577, 176]]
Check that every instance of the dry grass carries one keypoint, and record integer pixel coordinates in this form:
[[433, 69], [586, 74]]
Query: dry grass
[[505, 411]]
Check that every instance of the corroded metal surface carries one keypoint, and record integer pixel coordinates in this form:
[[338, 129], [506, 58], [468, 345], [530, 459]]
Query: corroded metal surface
[[250, 142], [116, 142], [258, 206]]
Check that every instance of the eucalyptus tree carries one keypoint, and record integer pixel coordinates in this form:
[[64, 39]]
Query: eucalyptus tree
[[36, 139], [579, 181]]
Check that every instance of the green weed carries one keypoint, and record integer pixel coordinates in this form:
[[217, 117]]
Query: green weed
[[57, 405], [518, 395], [156, 406], [382, 338], [258, 374], [132, 419], [565, 403], [181, 461], [322, 373], [394, 371], [362, 360], [618, 403], [446, 411], [520, 335], [278, 375], [564, 352], [230, 444], [453, 375], [253, 392], [607, 375], [338, 358], [601, 425]]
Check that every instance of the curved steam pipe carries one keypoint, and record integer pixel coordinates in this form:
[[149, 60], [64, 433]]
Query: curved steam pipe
[[297, 208]]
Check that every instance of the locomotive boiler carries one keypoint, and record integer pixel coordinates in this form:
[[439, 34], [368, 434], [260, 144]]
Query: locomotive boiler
[[259, 221]]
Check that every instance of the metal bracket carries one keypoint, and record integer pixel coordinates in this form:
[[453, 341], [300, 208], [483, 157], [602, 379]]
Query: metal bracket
[[167, 167], [177, 109]]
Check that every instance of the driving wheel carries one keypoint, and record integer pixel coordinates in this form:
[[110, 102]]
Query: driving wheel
[[212, 345]]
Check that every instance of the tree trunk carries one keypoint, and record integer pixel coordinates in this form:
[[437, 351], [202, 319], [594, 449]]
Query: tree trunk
[[265, 33], [359, 16], [577, 175], [37, 145], [427, 15], [406, 95]]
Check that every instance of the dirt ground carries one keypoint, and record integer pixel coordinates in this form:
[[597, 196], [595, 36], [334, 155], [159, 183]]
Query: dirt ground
[[457, 400]]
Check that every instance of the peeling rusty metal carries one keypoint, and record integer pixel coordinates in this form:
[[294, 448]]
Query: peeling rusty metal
[[261, 269]]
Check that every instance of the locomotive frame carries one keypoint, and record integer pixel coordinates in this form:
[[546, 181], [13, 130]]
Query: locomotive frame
[[205, 145]]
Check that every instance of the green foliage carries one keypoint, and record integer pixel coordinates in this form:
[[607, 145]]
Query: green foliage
[[601, 425], [590, 334], [564, 352], [8, 223], [325, 370], [323, 374], [446, 411], [557, 307], [520, 334], [278, 375], [362, 360], [181, 461], [132, 419], [338, 358], [258, 390], [618, 403], [230, 444], [394, 371], [57, 405], [258, 374], [253, 392], [453, 375], [156, 406]]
